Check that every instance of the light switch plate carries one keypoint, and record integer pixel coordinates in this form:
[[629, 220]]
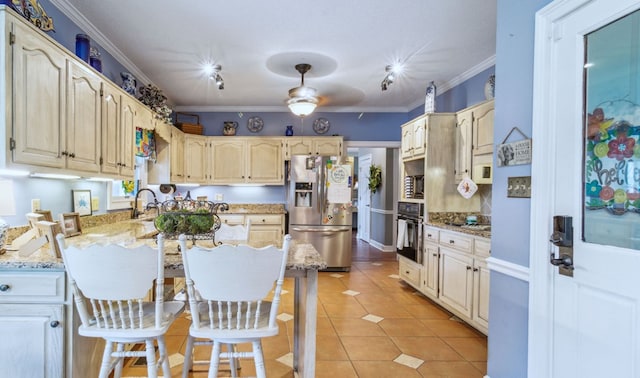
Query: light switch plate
[[519, 187], [95, 204]]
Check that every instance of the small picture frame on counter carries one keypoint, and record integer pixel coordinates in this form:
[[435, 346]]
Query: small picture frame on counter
[[70, 224], [46, 213], [81, 200]]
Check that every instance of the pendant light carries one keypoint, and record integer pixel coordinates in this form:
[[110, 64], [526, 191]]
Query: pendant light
[[302, 100]]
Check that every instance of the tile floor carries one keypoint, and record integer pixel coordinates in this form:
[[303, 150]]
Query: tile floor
[[370, 324]]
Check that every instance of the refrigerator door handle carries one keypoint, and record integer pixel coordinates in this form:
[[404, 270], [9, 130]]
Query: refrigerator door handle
[[299, 229]]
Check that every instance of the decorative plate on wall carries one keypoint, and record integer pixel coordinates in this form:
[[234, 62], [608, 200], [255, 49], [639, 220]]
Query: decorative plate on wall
[[255, 124], [321, 125]]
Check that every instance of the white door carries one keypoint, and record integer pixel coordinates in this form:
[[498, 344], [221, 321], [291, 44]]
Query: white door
[[364, 197], [587, 325]]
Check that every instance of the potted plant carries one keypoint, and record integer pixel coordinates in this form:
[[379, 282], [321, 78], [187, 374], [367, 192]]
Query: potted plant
[[375, 177]]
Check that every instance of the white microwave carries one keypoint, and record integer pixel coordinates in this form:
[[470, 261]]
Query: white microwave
[[482, 174]]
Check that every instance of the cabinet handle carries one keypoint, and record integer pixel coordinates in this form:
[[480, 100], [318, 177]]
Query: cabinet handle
[[475, 269], [468, 267], [64, 153], [435, 255], [72, 155], [452, 242], [406, 272], [428, 235], [54, 324], [5, 287]]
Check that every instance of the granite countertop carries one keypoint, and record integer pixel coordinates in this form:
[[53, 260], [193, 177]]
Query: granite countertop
[[470, 231], [252, 208], [132, 233]]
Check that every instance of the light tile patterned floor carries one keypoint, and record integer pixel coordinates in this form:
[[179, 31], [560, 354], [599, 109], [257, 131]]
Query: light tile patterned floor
[[386, 330]]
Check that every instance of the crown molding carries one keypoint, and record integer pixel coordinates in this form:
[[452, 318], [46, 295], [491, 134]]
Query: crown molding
[[88, 28]]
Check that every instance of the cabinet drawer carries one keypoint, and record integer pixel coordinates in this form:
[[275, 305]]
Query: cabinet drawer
[[231, 219], [456, 241], [410, 272], [258, 219], [482, 247], [31, 287], [431, 234]]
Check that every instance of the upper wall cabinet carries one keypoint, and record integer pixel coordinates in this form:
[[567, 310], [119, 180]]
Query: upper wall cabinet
[[414, 142], [320, 146], [247, 160], [464, 120], [483, 128], [61, 114]]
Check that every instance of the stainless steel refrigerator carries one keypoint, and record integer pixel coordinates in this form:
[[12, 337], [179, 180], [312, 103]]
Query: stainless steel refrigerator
[[319, 207]]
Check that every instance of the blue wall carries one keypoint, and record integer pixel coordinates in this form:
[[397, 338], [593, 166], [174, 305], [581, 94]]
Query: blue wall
[[508, 313]]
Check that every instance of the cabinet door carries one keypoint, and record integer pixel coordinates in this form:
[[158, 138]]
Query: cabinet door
[[265, 164], [419, 142], [327, 146], [177, 155], [481, 294], [82, 145], [263, 235], [32, 342], [456, 280], [483, 129], [430, 270], [407, 141], [127, 137], [110, 129], [298, 146], [409, 271], [463, 144], [228, 162], [39, 80], [196, 158]]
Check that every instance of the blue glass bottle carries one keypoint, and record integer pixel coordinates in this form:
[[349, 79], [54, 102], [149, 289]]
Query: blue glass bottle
[[95, 60], [289, 131], [83, 46]]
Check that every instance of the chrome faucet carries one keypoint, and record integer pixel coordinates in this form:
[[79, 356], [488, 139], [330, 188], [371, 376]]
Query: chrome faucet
[[135, 213]]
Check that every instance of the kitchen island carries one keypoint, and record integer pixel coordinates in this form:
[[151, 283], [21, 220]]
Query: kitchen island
[[18, 275]]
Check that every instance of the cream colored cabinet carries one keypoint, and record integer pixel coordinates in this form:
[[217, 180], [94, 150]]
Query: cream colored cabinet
[[38, 95], [456, 280], [177, 156], [414, 141], [265, 229], [483, 128], [320, 146], [481, 274], [228, 161], [247, 160], [118, 132], [430, 262], [32, 324], [409, 271], [464, 121], [197, 153]]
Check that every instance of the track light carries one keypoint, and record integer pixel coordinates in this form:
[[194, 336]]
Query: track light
[[215, 75], [389, 77]]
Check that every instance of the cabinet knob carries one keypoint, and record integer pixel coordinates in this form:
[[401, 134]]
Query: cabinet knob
[[468, 267], [64, 153], [54, 324], [452, 242], [5, 287], [72, 155], [435, 255], [428, 235], [475, 269]]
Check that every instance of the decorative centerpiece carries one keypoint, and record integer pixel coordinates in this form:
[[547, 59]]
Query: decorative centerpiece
[[153, 97], [195, 218]]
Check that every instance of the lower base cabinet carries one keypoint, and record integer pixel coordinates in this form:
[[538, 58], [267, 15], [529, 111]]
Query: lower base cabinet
[[265, 229], [453, 274], [32, 324]]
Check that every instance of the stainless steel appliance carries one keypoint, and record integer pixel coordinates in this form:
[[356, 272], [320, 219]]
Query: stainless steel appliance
[[409, 241], [319, 207]]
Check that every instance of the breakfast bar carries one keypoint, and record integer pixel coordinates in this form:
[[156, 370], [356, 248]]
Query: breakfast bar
[[16, 271]]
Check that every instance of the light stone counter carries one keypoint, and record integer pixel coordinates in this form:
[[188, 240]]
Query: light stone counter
[[303, 265]]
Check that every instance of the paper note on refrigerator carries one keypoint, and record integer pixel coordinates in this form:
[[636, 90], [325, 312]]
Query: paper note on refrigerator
[[339, 184]]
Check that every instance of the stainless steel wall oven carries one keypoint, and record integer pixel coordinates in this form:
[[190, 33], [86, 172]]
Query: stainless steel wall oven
[[409, 241]]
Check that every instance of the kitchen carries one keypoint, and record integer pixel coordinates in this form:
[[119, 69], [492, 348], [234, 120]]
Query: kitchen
[[50, 193], [509, 216]]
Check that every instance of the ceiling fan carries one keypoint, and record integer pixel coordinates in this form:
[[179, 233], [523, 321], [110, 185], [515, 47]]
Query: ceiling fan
[[302, 100]]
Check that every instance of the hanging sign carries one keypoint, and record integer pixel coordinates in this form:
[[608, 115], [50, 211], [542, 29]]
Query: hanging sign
[[514, 153]]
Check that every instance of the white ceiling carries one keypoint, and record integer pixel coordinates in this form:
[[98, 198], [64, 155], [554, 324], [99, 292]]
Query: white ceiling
[[258, 42]]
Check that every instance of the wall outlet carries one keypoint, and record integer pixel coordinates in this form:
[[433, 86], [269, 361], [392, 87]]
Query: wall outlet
[[35, 204]]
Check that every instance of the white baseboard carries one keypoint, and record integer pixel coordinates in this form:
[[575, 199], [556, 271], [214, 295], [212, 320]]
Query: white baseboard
[[382, 247]]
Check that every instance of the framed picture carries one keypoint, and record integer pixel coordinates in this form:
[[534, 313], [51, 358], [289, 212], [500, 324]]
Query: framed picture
[[46, 213], [70, 224], [81, 200]]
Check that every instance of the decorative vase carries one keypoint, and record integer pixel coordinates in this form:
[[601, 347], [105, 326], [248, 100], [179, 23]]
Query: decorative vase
[[129, 83], [490, 87], [430, 99], [83, 46], [289, 131], [229, 128]]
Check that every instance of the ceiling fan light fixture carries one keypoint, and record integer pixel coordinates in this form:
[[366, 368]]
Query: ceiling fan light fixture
[[302, 100]]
